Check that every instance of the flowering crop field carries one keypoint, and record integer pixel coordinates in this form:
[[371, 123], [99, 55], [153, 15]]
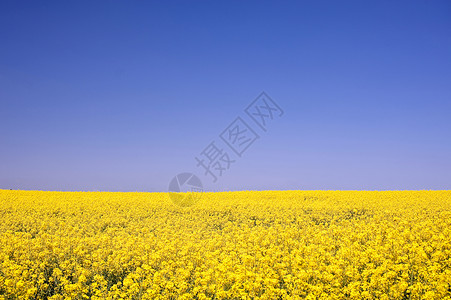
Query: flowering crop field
[[231, 245]]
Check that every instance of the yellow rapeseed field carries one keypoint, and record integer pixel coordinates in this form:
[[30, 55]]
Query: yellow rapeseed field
[[236, 245]]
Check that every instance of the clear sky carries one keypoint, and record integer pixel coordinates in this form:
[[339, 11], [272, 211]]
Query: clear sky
[[123, 95]]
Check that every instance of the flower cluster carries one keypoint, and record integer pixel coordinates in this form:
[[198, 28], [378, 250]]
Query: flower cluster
[[234, 245]]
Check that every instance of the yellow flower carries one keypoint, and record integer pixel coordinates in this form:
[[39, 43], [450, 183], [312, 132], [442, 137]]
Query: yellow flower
[[240, 245]]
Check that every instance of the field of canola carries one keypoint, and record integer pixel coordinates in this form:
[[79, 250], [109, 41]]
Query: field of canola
[[235, 245]]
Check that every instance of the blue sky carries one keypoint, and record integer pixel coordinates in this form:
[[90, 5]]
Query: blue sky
[[122, 96]]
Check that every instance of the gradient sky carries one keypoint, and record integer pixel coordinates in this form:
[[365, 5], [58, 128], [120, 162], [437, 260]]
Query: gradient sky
[[122, 95]]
